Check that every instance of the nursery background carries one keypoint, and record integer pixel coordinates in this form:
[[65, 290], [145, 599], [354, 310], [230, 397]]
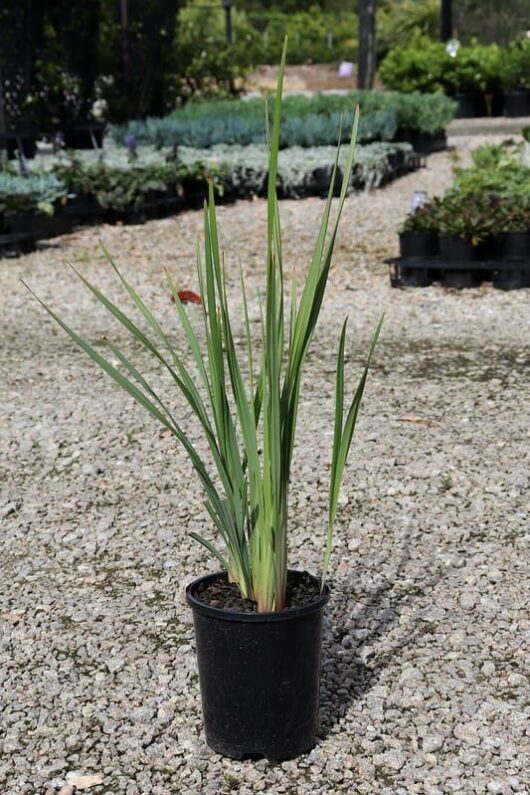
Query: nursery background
[[115, 117]]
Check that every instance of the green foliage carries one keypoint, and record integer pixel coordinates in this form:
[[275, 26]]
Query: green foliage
[[424, 65], [517, 69], [315, 35], [308, 121], [479, 67], [424, 219], [421, 65], [470, 217], [248, 422], [397, 23], [122, 185], [205, 63], [490, 197]]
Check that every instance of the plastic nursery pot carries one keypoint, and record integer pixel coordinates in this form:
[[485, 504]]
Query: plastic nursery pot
[[511, 279], [322, 177], [456, 249], [517, 103], [459, 279], [259, 675], [515, 245], [418, 244], [471, 105], [415, 277]]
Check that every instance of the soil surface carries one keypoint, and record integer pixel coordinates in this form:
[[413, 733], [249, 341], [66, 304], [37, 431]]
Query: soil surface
[[226, 595]]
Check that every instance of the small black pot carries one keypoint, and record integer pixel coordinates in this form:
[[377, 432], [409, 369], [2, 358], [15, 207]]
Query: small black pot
[[517, 103], [13, 245], [41, 225], [414, 277], [323, 175], [515, 245], [83, 209], [424, 143], [494, 104], [418, 244], [259, 676], [456, 249], [471, 105], [461, 279], [491, 248], [505, 279]]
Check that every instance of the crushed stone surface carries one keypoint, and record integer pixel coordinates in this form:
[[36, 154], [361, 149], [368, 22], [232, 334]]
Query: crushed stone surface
[[427, 638]]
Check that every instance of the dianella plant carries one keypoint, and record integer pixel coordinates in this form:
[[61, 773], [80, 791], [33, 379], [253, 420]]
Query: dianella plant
[[245, 398]]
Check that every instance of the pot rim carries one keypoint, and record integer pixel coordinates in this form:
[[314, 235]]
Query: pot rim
[[261, 618]]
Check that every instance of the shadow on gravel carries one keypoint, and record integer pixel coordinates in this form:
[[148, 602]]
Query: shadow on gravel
[[349, 667]]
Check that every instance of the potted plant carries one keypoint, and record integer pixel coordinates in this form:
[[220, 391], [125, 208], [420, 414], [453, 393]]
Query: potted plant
[[517, 79], [476, 75], [465, 221], [515, 225], [258, 622], [418, 236], [32, 204]]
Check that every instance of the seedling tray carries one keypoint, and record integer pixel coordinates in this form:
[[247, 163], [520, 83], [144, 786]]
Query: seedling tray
[[506, 274]]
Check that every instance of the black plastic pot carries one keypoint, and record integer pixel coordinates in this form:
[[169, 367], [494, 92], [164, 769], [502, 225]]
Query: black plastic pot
[[40, 225], [414, 277], [511, 279], [424, 143], [515, 245], [322, 177], [259, 676], [456, 249], [461, 279], [491, 248], [471, 105], [517, 103], [418, 244], [84, 209], [494, 104], [13, 245]]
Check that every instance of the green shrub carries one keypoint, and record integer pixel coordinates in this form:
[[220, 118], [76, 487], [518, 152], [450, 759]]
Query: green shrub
[[205, 64], [517, 69], [314, 36], [479, 67], [424, 65], [397, 23], [421, 65]]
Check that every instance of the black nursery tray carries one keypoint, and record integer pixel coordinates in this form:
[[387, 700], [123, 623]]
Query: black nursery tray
[[506, 274], [15, 244]]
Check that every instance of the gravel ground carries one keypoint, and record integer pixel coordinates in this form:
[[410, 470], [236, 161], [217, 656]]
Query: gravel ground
[[425, 674]]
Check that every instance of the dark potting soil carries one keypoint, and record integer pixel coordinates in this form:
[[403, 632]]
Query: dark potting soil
[[300, 591]]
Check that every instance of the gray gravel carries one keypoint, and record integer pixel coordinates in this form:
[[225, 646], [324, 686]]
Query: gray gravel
[[425, 674]]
